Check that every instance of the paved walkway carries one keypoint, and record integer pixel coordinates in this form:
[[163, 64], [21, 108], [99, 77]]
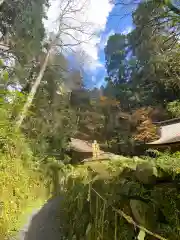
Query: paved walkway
[[43, 224]]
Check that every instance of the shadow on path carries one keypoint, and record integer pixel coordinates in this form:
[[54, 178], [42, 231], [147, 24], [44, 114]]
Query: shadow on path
[[44, 224]]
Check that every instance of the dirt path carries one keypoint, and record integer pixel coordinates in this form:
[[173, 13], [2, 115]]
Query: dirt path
[[43, 224]]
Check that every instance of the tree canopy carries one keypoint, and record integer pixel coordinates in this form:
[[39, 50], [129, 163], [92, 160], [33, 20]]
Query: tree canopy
[[44, 102]]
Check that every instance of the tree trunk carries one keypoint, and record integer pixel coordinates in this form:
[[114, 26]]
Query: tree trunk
[[32, 93]]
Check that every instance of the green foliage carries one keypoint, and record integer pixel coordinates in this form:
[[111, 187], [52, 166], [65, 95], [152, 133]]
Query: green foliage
[[52, 120], [153, 48], [143, 75], [21, 183], [20, 187], [94, 197], [174, 108], [115, 55], [22, 26], [143, 72]]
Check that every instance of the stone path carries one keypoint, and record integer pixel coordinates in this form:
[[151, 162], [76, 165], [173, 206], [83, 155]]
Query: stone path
[[43, 224]]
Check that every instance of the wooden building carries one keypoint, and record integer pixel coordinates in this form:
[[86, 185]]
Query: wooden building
[[169, 132], [82, 151], [79, 150]]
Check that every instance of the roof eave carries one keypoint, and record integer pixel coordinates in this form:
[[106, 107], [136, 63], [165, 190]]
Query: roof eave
[[169, 121], [164, 142]]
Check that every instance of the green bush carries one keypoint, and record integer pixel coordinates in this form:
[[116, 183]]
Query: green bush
[[95, 194], [19, 188], [21, 182]]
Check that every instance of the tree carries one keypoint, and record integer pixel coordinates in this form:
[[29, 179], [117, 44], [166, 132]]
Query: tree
[[120, 65], [51, 121], [145, 130], [174, 108], [68, 10], [152, 44], [148, 57], [171, 4], [22, 32], [22, 28], [115, 53], [169, 14]]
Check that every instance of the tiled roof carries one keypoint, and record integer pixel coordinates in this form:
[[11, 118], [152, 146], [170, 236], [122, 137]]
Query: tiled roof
[[169, 132]]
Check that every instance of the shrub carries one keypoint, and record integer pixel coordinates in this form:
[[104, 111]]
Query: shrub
[[19, 188], [21, 183], [105, 206]]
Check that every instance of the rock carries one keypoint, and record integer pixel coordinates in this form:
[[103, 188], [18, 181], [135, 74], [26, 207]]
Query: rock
[[146, 173], [143, 213]]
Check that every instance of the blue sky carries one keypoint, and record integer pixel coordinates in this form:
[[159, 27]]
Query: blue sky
[[104, 19], [118, 21]]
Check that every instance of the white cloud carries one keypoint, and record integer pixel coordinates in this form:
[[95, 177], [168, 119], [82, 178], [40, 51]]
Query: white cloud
[[127, 30], [105, 38], [92, 19]]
